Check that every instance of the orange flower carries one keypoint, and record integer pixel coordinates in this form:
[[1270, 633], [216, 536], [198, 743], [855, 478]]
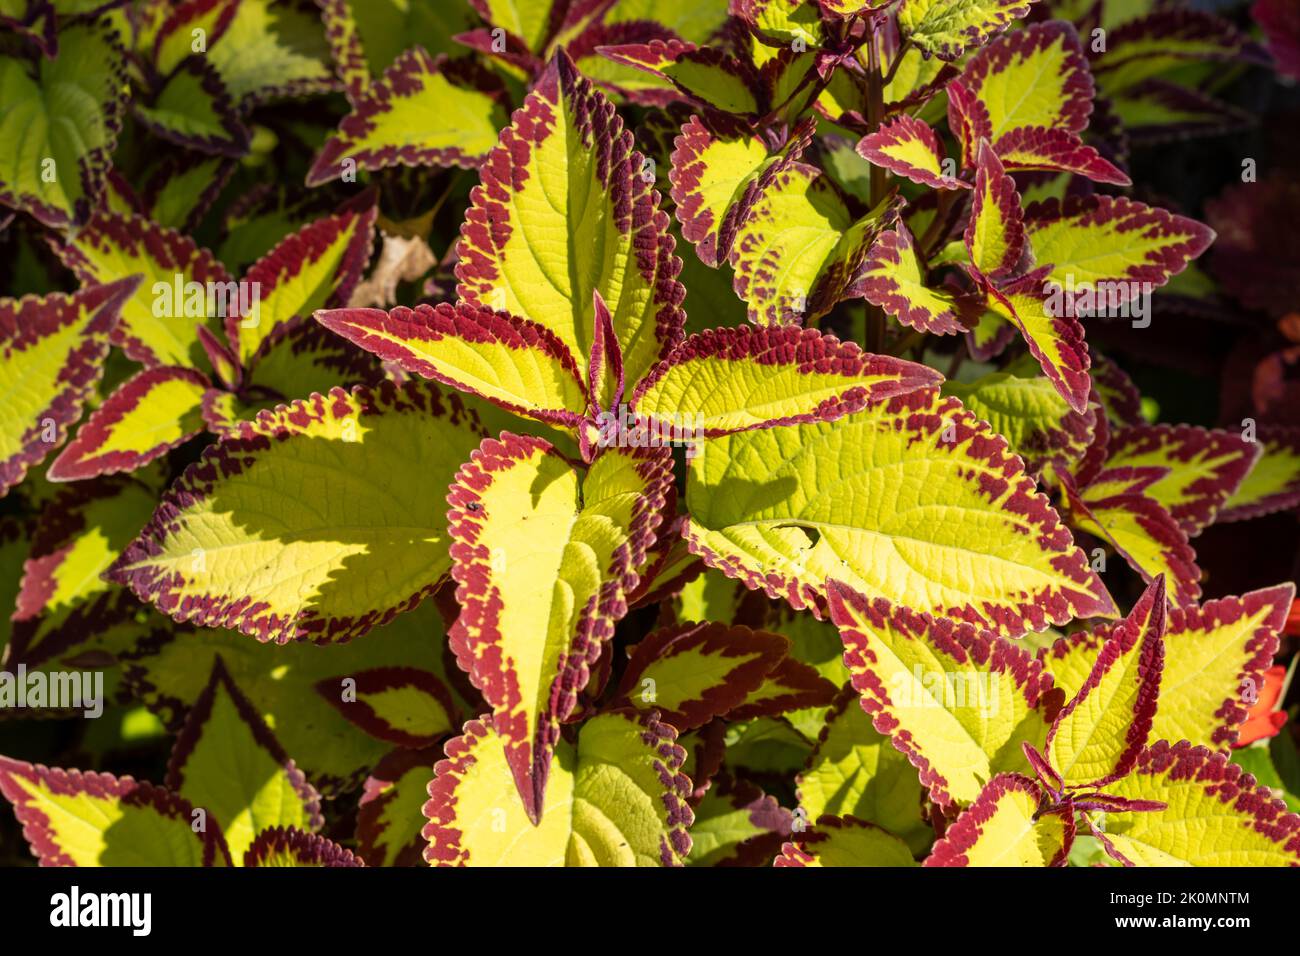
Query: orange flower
[[1292, 626], [1263, 720]]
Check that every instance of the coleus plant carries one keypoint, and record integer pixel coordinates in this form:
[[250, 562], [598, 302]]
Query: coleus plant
[[608, 544]]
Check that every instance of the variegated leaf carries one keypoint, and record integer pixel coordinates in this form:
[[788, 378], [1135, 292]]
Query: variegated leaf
[[1273, 484], [959, 702], [517, 364], [214, 555], [313, 268], [737, 824], [291, 847], [1054, 336], [1003, 827], [63, 602], [1096, 738], [71, 818], [228, 762], [692, 673], [800, 250], [908, 147], [567, 148], [405, 706], [1113, 245], [151, 413], [1205, 467], [1216, 813], [1141, 529], [583, 536], [1036, 77], [616, 797], [969, 537], [893, 278], [59, 127], [855, 770], [946, 28], [390, 815], [168, 669], [845, 841], [422, 112], [995, 235], [730, 380], [52, 353]]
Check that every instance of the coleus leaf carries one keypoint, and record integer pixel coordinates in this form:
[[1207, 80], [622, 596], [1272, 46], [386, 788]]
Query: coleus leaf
[[160, 320], [586, 536], [52, 353], [59, 128], [151, 413], [1215, 659], [844, 841], [63, 602], [730, 380], [811, 507], [946, 28], [193, 110], [390, 815], [1111, 240], [714, 183], [1138, 527], [1096, 738], [1038, 424], [71, 818], [694, 672], [800, 249], [227, 761], [405, 706], [168, 669], [1004, 827], [855, 770], [567, 146], [515, 363], [995, 235], [781, 22], [422, 112], [957, 701], [1216, 815], [273, 50], [1163, 40], [314, 268], [1055, 340], [211, 557], [908, 147], [1037, 77], [614, 798], [173, 37], [791, 685], [1205, 467], [13, 552], [1158, 111], [893, 278], [737, 824], [290, 846], [707, 75], [1273, 484]]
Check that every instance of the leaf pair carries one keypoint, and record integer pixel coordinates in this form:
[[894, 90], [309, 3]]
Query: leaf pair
[[214, 349], [232, 796]]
